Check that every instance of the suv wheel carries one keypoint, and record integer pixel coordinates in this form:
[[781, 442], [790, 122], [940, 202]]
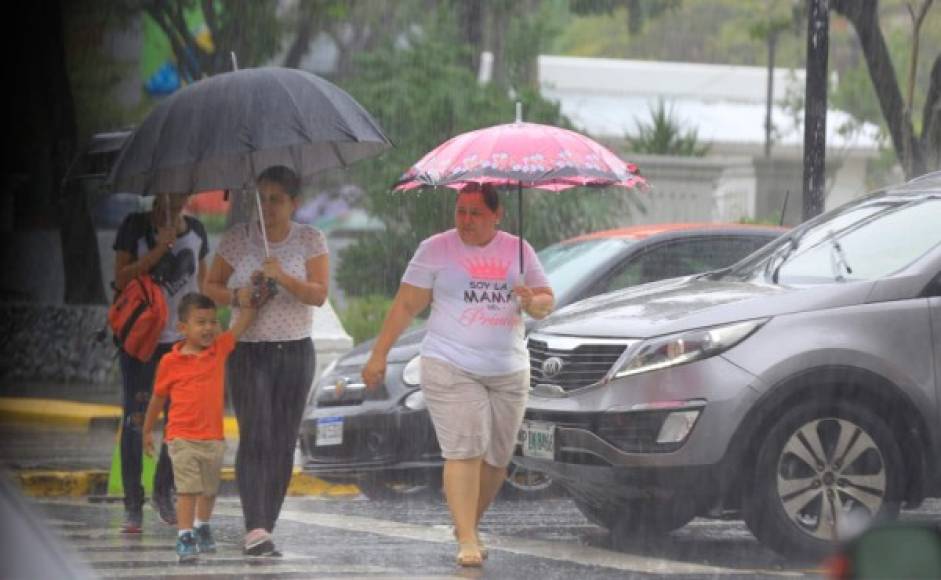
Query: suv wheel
[[823, 474], [401, 485], [641, 517]]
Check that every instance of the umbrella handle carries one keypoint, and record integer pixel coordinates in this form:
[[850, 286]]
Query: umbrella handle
[[261, 224]]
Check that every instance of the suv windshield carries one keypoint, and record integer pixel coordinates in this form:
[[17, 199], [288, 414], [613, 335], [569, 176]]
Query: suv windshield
[[568, 263], [868, 240]]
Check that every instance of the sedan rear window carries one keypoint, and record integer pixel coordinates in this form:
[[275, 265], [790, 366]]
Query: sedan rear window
[[568, 264]]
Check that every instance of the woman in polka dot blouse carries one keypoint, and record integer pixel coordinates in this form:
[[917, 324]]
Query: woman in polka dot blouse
[[272, 367]]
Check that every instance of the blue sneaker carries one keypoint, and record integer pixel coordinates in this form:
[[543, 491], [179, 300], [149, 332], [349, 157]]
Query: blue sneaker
[[186, 548], [204, 539]]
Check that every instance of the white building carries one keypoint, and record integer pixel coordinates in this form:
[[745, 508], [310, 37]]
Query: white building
[[726, 106]]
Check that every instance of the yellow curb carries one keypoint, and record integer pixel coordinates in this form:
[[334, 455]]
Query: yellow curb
[[74, 415], [303, 484], [51, 483], [61, 483], [68, 414]]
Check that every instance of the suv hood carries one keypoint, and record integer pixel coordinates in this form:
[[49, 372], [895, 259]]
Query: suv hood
[[694, 302]]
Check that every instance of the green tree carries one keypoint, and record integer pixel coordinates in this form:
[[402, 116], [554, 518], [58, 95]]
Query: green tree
[[777, 18], [249, 29], [637, 12], [666, 135], [422, 95], [718, 31], [916, 153]]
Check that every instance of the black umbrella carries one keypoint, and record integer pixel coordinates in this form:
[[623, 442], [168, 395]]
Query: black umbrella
[[222, 132]]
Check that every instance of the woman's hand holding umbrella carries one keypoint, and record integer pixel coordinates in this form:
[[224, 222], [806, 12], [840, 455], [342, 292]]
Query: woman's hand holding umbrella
[[273, 270], [166, 235], [533, 303]]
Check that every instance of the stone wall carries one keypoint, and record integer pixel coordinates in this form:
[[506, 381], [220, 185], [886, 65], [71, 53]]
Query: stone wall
[[59, 344], [55, 343]]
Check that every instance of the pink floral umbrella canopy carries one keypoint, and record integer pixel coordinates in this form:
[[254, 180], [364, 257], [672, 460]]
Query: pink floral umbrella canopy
[[528, 155], [525, 155]]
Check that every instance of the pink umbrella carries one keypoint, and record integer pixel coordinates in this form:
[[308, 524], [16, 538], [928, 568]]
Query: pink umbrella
[[525, 155]]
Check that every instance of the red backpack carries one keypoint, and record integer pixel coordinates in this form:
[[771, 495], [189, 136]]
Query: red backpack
[[138, 316]]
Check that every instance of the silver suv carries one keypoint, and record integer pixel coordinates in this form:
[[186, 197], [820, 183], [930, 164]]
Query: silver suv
[[799, 386]]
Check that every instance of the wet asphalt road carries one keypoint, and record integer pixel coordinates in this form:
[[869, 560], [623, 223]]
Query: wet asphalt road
[[358, 538]]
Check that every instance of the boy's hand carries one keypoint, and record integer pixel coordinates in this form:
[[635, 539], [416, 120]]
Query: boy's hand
[[245, 297], [149, 443]]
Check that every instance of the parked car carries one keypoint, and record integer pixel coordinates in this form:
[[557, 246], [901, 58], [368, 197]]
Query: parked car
[[384, 440], [86, 177], [799, 387]]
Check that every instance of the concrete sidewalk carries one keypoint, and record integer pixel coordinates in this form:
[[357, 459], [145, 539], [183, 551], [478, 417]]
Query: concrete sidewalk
[[58, 447]]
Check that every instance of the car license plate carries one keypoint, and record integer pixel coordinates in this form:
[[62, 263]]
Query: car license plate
[[538, 439], [329, 431]]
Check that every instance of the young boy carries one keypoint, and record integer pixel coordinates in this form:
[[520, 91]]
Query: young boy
[[192, 376]]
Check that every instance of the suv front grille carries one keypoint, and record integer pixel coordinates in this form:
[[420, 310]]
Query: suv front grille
[[583, 361]]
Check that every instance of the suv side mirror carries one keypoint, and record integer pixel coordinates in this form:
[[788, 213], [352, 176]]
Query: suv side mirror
[[934, 287]]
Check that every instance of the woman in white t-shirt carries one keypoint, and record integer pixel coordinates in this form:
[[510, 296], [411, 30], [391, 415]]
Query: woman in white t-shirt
[[271, 369], [474, 366]]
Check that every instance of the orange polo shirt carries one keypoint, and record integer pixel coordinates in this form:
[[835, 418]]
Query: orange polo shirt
[[195, 385]]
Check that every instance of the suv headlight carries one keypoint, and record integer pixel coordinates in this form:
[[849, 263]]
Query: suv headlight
[[415, 400], [411, 374], [684, 347]]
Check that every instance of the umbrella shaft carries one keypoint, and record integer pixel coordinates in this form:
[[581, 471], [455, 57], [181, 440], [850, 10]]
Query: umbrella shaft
[[261, 224], [519, 221]]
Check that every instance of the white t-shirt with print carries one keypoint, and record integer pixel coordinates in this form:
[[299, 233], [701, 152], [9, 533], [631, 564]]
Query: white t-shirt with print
[[177, 270], [475, 321], [284, 317]]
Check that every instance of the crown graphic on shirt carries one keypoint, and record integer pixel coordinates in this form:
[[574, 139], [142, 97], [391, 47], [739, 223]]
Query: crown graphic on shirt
[[486, 268]]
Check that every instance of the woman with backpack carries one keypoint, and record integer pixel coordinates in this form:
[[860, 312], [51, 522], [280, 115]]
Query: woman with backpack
[[170, 248]]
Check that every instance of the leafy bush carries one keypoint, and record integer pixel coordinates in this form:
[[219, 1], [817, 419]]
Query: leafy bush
[[666, 135], [362, 318], [772, 220]]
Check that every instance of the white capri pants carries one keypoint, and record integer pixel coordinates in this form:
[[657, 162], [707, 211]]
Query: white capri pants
[[474, 415]]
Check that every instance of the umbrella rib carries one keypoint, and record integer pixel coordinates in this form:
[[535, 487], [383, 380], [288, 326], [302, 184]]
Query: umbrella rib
[[297, 108], [150, 173]]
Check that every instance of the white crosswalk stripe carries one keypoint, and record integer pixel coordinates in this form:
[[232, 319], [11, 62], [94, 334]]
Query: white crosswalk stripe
[[113, 555]]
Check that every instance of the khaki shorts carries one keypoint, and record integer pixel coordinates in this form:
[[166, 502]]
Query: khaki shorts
[[197, 465], [474, 415]]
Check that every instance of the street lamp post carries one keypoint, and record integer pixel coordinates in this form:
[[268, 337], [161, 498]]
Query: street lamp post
[[815, 107]]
